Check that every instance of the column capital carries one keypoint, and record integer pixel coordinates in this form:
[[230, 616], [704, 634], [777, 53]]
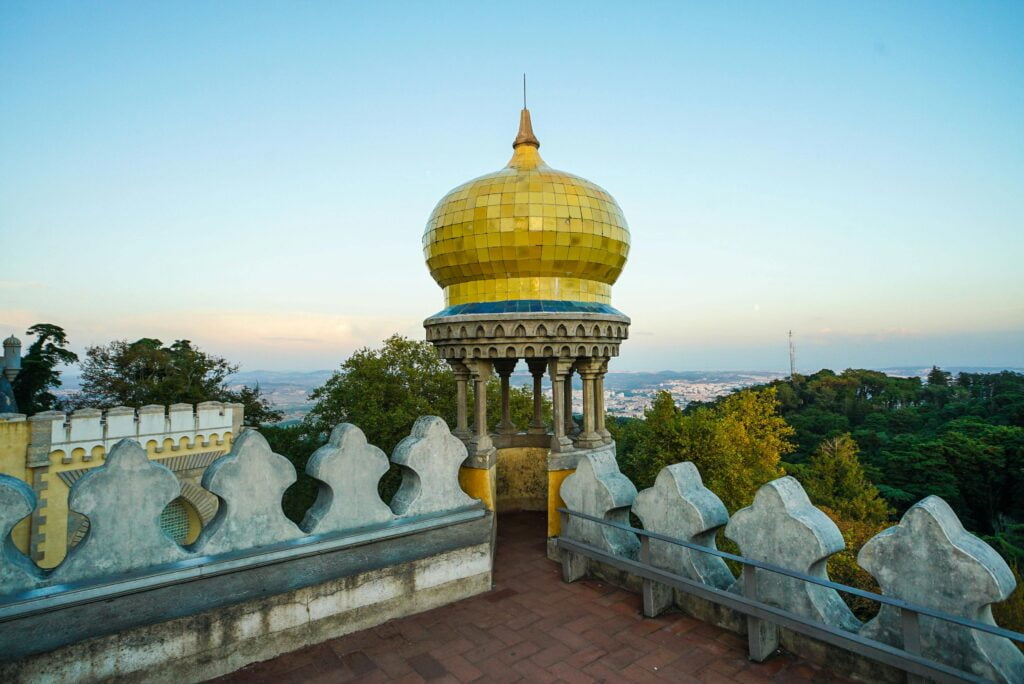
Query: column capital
[[481, 369], [538, 367], [505, 367], [591, 366], [560, 367], [459, 368]]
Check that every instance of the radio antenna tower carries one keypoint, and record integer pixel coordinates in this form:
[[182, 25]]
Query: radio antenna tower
[[792, 357]]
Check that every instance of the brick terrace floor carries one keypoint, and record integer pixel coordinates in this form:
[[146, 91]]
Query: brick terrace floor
[[533, 627]]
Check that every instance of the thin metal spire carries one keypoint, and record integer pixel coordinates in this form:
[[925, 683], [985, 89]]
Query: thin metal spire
[[524, 90]]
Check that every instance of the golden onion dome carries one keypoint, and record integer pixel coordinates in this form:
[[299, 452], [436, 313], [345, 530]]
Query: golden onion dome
[[526, 232]]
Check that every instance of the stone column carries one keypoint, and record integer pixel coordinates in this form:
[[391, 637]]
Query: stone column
[[558, 369], [606, 436], [505, 368], [461, 379], [537, 369], [570, 425], [480, 443], [589, 438]]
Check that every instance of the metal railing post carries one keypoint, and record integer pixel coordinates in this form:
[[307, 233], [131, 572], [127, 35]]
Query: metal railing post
[[657, 596], [574, 565], [910, 625], [762, 636]]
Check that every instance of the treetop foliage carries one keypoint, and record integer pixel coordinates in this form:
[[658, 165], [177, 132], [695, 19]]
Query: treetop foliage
[[39, 368], [737, 444], [123, 373]]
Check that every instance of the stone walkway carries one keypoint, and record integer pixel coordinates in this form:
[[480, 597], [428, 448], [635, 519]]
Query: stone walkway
[[533, 627]]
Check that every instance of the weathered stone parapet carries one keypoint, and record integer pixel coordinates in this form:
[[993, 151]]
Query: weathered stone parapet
[[17, 572], [127, 574], [265, 605], [124, 497], [597, 488], [680, 506], [931, 560], [123, 500], [430, 458], [348, 470], [783, 528], [928, 560]]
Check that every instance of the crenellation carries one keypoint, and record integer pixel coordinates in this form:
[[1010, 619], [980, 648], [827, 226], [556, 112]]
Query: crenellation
[[172, 430], [181, 418], [210, 414], [120, 422], [85, 425], [152, 419]]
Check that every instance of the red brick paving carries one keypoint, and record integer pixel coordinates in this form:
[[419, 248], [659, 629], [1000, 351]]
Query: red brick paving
[[532, 627]]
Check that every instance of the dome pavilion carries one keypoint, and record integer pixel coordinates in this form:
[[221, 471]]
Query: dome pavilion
[[526, 257]]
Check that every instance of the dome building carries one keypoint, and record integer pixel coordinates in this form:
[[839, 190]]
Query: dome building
[[527, 257]]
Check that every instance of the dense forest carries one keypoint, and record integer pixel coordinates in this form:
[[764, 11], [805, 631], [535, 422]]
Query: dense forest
[[962, 439]]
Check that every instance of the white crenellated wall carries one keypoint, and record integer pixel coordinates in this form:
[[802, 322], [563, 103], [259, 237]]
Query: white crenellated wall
[[88, 428]]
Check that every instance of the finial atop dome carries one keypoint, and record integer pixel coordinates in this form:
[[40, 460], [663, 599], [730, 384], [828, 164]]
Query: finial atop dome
[[525, 136]]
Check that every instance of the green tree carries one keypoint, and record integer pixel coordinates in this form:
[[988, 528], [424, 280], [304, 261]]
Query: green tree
[[124, 373], [835, 478], [257, 408], [938, 377], [39, 366], [384, 391], [737, 443]]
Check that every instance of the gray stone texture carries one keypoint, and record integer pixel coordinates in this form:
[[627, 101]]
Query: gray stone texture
[[348, 470], [931, 560], [250, 481], [123, 500], [217, 624], [430, 458], [17, 572], [680, 506], [782, 527], [597, 488]]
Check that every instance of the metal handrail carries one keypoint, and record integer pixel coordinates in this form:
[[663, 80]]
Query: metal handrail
[[906, 660], [896, 603]]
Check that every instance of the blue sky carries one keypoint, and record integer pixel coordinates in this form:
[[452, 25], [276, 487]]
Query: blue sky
[[256, 176]]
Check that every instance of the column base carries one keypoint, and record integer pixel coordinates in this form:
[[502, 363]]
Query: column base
[[483, 460], [591, 441], [561, 444]]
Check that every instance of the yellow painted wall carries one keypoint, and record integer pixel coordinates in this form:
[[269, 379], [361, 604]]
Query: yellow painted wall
[[521, 480], [14, 440], [555, 479], [479, 484]]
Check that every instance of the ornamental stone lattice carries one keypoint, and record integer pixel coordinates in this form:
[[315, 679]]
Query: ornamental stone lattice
[[123, 500], [597, 488], [783, 528], [680, 506], [430, 458], [348, 470], [931, 560], [250, 481], [17, 572]]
